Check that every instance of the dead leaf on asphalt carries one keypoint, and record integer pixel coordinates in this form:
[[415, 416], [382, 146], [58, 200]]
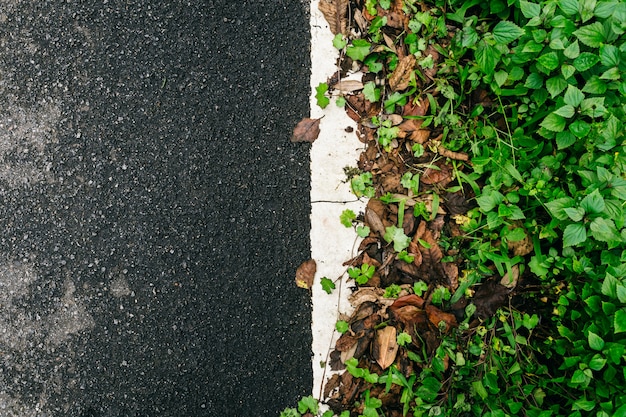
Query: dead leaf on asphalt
[[335, 12], [385, 347], [305, 274], [307, 130]]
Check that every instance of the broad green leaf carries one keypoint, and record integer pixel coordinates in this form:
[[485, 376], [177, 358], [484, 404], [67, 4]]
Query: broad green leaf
[[479, 389], [556, 85], [580, 129], [566, 111], [506, 32], [619, 321], [500, 77], [532, 47], [534, 81], [609, 286], [553, 122], [556, 44], [573, 96], [595, 85], [575, 213], [397, 236], [593, 107], [327, 285], [339, 42], [529, 10], [597, 362], [359, 49], [585, 61], [604, 230], [469, 37], [569, 7], [516, 235], [487, 57], [549, 60], [565, 139], [611, 74], [574, 234], [582, 404], [489, 199], [557, 207], [585, 8], [591, 35], [572, 51], [621, 293], [320, 95], [593, 203], [567, 70], [609, 55], [595, 341], [370, 92]]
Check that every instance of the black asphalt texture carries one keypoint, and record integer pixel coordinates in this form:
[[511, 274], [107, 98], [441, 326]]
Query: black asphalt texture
[[152, 209]]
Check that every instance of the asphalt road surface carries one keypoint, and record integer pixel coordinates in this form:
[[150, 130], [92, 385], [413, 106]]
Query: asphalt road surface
[[152, 208]]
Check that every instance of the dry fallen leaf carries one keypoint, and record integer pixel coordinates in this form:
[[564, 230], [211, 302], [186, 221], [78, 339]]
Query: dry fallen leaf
[[401, 76], [335, 12], [307, 130], [385, 347], [305, 274]]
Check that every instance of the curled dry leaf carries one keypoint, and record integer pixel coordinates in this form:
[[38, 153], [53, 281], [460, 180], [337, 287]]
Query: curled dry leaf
[[385, 347], [305, 274], [307, 130], [335, 12], [401, 76]]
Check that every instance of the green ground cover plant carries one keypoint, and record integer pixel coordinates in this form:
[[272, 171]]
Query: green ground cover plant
[[510, 137]]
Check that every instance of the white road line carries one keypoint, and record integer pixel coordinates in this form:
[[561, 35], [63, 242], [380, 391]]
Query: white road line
[[331, 243]]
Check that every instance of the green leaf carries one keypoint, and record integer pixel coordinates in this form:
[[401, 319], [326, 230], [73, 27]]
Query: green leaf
[[609, 55], [320, 95], [582, 404], [585, 61], [489, 199], [469, 37], [597, 362], [567, 71], [506, 32], [532, 47], [573, 96], [363, 231], [479, 389], [370, 92], [576, 214], [359, 49], [569, 7], [487, 57], [549, 60], [604, 230], [595, 85], [580, 129], [556, 85], [565, 140], [585, 8], [595, 341], [611, 74], [593, 107], [557, 207], [403, 339], [339, 42], [534, 81], [553, 122], [566, 111], [593, 202], [591, 35], [342, 326], [619, 321], [308, 404], [574, 234], [327, 285], [609, 286], [572, 51], [396, 235], [530, 10], [346, 217]]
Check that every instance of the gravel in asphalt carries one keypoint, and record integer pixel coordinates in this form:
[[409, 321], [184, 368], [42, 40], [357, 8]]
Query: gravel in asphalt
[[152, 208]]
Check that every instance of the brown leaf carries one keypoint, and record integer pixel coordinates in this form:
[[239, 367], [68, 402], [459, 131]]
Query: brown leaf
[[385, 347], [307, 130], [335, 12], [436, 316], [305, 274], [401, 76]]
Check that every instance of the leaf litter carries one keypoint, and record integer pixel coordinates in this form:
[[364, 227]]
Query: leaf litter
[[377, 320]]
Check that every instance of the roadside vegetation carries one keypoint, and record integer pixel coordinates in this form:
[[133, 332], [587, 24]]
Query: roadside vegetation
[[491, 276]]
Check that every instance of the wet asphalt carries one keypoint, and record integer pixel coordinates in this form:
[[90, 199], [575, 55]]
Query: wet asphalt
[[152, 208]]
